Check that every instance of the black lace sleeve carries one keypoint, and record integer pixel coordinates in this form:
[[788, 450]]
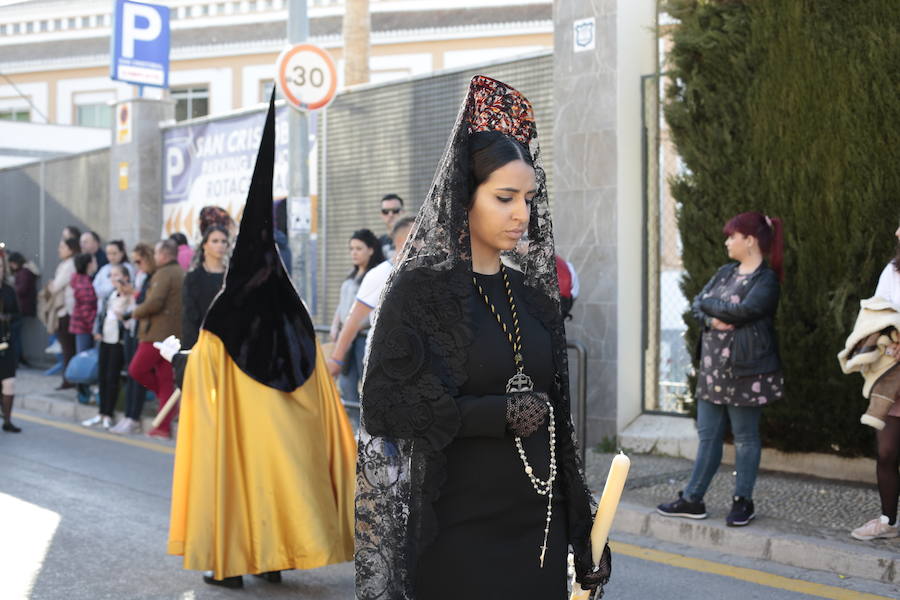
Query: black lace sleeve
[[417, 361]]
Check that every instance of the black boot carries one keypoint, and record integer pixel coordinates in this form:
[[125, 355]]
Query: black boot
[[270, 576], [6, 404], [229, 582]]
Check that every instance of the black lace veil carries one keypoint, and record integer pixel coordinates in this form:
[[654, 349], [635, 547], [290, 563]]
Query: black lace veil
[[418, 351]]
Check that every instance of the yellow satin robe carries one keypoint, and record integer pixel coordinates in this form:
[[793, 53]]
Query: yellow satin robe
[[264, 479]]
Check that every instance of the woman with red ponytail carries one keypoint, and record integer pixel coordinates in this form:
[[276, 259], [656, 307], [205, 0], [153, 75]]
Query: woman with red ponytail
[[740, 370]]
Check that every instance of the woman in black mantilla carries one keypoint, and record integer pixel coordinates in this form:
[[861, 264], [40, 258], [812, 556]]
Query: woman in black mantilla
[[469, 483]]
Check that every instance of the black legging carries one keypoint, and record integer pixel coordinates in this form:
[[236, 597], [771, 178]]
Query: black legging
[[66, 342], [135, 394], [110, 360], [886, 467]]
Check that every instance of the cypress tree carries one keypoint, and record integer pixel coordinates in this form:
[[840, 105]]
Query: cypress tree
[[790, 107]]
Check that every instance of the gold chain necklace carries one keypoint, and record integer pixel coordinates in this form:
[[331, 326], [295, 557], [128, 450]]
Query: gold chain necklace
[[520, 382]]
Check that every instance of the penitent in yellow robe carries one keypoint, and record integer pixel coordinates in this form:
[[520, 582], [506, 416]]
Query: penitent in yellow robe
[[264, 479]]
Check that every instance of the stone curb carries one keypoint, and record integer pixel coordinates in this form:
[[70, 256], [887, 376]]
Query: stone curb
[[764, 543], [66, 409]]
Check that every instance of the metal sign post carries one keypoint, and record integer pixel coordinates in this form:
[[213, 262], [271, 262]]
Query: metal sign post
[[298, 161], [307, 78]]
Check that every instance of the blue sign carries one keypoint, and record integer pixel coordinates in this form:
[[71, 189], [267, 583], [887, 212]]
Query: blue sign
[[140, 44]]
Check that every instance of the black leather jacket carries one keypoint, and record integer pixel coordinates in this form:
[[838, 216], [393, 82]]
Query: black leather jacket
[[755, 345]]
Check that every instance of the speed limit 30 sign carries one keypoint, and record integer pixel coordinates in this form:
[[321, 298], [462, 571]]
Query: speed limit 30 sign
[[306, 76]]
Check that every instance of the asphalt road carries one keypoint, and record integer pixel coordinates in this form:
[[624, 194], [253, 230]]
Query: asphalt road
[[84, 516]]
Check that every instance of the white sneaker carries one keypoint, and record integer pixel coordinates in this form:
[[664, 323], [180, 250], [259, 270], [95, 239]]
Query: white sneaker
[[117, 428], [875, 529], [107, 423], [93, 421], [132, 427]]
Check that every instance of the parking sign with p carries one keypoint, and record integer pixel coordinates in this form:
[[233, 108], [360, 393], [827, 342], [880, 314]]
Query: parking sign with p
[[140, 44]]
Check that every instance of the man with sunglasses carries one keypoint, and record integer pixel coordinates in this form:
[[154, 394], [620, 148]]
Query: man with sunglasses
[[391, 212]]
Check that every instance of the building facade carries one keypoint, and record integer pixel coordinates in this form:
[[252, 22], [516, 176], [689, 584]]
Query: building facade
[[54, 54]]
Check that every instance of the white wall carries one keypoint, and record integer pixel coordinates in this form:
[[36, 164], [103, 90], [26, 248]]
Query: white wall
[[218, 81], [86, 90], [38, 93], [52, 139], [636, 56]]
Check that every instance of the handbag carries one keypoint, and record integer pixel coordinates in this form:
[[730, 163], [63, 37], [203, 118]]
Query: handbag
[[83, 368]]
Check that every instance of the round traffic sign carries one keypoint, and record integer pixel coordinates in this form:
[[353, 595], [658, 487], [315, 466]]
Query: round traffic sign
[[306, 76]]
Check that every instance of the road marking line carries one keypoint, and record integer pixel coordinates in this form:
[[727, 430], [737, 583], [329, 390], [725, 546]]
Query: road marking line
[[744, 574], [110, 437], [658, 556]]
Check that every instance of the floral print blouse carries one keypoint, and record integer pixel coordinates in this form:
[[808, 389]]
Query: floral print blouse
[[715, 382]]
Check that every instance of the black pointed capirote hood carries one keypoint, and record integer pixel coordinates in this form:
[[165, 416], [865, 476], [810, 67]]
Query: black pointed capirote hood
[[258, 315]]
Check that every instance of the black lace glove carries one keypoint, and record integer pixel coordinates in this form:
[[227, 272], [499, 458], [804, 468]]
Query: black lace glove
[[591, 578], [525, 412]]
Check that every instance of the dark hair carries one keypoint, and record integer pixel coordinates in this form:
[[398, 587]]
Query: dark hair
[[170, 247], [387, 197], [72, 244], [121, 246], [368, 238], [123, 269], [488, 151], [16, 257], [769, 232], [82, 262], [145, 252], [94, 235], [73, 231], [179, 238], [401, 223], [200, 254]]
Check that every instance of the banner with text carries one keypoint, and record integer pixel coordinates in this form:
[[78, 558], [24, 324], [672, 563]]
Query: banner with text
[[211, 163]]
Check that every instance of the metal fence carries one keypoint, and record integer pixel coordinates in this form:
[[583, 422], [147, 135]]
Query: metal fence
[[37, 200], [388, 138], [666, 359]]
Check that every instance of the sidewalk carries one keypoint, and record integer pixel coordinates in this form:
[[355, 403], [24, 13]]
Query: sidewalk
[[800, 521]]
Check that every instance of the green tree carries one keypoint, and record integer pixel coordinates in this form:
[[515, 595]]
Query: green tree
[[790, 107]]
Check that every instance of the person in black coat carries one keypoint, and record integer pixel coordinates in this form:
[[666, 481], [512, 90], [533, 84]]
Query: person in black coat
[[9, 316], [739, 366], [202, 283]]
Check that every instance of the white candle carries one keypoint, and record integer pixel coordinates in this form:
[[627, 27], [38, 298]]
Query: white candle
[[609, 501]]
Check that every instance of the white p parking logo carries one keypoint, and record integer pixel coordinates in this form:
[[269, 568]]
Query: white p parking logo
[[132, 33]]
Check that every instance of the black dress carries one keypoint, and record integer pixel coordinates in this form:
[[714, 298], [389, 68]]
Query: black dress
[[197, 293], [491, 520]]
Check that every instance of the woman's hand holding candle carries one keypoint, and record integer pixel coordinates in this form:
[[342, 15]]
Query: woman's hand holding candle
[[609, 501]]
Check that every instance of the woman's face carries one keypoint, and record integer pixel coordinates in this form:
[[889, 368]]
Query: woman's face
[[114, 255], [740, 246], [63, 250], [115, 277], [216, 245], [360, 253], [141, 263], [501, 206], [122, 283]]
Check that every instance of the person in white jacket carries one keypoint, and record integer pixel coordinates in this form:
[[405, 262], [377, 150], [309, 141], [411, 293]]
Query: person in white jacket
[[885, 526]]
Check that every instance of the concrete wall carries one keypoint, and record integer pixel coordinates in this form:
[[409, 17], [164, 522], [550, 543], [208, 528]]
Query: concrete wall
[[598, 206], [135, 212]]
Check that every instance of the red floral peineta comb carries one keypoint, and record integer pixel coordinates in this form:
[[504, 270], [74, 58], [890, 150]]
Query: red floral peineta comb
[[495, 106]]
